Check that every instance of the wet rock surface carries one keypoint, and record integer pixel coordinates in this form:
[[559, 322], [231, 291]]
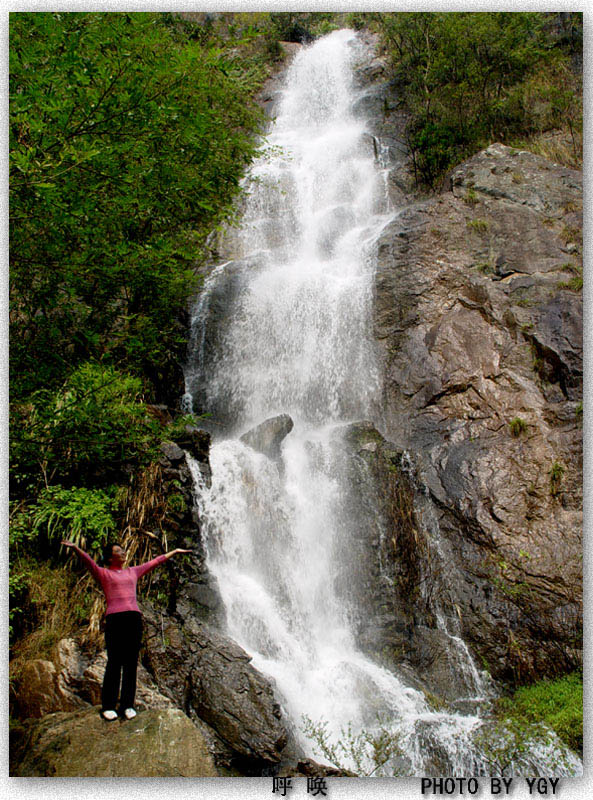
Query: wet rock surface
[[392, 575], [480, 325], [210, 676], [267, 437], [379, 103]]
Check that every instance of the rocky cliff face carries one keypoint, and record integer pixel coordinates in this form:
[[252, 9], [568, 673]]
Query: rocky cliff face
[[479, 319]]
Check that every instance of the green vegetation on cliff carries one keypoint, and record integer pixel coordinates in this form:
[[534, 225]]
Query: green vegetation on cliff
[[557, 703], [469, 79]]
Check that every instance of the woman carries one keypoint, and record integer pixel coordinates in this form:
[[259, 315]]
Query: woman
[[123, 624]]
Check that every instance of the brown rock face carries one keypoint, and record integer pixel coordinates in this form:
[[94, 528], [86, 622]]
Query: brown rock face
[[479, 316], [160, 743], [43, 693]]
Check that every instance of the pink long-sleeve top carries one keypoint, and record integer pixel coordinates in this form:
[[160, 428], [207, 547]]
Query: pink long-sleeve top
[[119, 585]]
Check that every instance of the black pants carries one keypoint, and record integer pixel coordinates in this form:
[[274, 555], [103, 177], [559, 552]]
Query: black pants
[[123, 636]]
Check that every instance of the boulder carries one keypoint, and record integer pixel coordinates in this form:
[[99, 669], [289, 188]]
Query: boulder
[[196, 441], [210, 675], [159, 743], [267, 436], [172, 452], [147, 693], [40, 691]]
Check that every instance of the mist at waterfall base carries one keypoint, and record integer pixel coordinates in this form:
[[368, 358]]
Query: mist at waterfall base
[[297, 339]]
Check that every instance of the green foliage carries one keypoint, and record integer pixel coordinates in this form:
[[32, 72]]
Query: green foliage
[[556, 474], [368, 751], [52, 604], [84, 516], [471, 198], [571, 235], [87, 429], [20, 530], [478, 225], [514, 591], [128, 139], [575, 284], [357, 20], [517, 426], [472, 78], [176, 503], [176, 428], [18, 587], [557, 703]]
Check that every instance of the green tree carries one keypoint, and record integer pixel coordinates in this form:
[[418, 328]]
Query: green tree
[[468, 77], [128, 138]]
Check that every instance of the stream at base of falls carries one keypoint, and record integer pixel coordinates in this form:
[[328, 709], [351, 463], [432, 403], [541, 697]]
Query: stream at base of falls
[[295, 337]]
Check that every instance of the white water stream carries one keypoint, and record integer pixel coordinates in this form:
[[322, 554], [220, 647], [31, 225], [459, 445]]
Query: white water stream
[[297, 340]]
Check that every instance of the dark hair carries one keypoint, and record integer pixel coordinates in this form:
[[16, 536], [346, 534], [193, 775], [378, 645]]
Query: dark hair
[[107, 551]]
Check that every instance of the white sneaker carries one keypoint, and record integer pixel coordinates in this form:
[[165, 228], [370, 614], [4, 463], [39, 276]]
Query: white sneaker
[[109, 715], [129, 713]]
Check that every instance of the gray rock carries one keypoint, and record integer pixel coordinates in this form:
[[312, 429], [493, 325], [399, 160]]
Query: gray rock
[[73, 680], [267, 436], [195, 441], [40, 691], [172, 452]]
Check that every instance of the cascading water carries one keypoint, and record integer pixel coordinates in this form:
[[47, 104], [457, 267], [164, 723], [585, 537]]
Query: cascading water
[[297, 340]]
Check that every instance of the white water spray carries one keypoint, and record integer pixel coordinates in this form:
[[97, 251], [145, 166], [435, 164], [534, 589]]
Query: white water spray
[[297, 340]]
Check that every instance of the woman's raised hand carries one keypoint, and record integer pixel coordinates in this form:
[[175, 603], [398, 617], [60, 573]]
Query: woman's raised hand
[[175, 552]]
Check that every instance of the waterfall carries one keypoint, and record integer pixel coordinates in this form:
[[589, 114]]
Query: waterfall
[[292, 334]]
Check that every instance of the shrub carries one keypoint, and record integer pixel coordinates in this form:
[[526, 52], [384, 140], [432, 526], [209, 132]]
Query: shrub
[[54, 603], [478, 225], [556, 474], [517, 426], [472, 78], [18, 587], [509, 743], [84, 516], [367, 751], [85, 431], [575, 284]]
